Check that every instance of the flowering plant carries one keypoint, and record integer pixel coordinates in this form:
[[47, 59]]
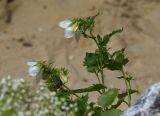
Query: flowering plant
[[54, 98], [96, 62]]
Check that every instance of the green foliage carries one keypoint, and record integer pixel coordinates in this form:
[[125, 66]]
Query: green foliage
[[96, 61], [117, 60], [114, 32], [107, 98], [101, 59], [85, 24], [54, 77], [82, 105], [91, 61], [103, 41], [112, 112], [96, 87]]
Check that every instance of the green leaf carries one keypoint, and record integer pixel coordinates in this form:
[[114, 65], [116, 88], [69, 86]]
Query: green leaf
[[105, 40], [63, 92], [108, 98], [95, 87], [102, 41], [91, 61], [112, 112], [112, 65], [124, 94], [82, 105], [120, 57], [121, 97], [114, 32], [117, 60]]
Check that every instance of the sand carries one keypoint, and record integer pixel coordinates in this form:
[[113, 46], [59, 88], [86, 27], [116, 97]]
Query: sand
[[29, 32]]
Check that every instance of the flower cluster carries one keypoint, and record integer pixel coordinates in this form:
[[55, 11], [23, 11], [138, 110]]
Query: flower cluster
[[34, 70], [17, 99]]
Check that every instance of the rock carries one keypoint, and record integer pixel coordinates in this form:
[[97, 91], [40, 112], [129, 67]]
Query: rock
[[148, 104]]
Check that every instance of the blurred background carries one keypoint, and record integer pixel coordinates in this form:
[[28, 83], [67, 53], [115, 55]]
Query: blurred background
[[29, 32]]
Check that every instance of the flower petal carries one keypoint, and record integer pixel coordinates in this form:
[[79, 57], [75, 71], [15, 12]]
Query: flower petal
[[68, 33], [33, 71], [31, 63], [64, 24]]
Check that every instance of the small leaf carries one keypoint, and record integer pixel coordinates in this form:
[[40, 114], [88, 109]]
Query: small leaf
[[102, 41], [82, 104], [117, 60], [108, 98], [112, 112], [91, 62], [105, 40], [119, 57], [124, 94], [95, 87], [114, 32], [112, 65]]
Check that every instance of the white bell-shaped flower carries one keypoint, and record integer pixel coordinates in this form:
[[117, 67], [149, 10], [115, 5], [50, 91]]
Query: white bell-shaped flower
[[34, 70], [71, 30]]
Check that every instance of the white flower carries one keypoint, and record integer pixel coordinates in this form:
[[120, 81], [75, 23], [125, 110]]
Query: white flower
[[70, 30], [34, 70]]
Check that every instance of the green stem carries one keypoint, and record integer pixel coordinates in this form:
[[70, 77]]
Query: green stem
[[94, 38], [90, 36], [99, 82], [126, 103], [70, 91], [102, 75], [128, 87], [101, 69], [98, 78], [129, 96], [129, 84]]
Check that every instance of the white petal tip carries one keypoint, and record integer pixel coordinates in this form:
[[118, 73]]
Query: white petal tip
[[31, 63], [65, 23]]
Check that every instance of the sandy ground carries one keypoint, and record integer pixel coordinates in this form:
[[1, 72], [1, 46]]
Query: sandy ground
[[29, 32]]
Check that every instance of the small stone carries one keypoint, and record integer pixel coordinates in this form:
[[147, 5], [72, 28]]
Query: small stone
[[147, 105], [27, 44], [40, 29], [71, 57], [150, 81]]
